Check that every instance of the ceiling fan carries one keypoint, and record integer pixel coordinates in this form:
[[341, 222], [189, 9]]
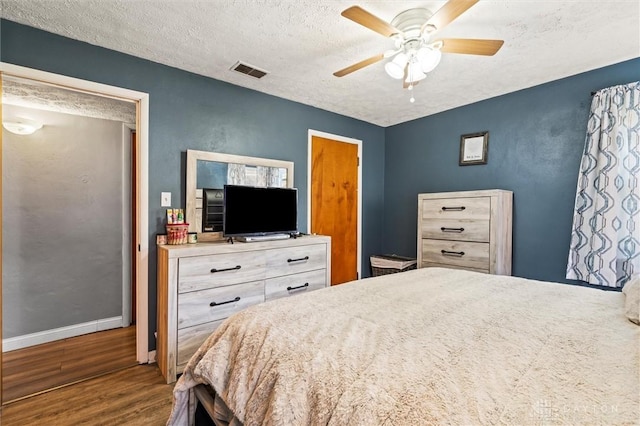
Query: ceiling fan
[[415, 54]]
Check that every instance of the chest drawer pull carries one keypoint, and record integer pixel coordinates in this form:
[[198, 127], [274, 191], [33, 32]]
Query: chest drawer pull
[[443, 229], [453, 209], [302, 259], [214, 270], [452, 253], [298, 287], [237, 299]]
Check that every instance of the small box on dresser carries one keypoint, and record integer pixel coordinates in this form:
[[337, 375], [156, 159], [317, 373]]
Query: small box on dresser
[[466, 230], [199, 285]]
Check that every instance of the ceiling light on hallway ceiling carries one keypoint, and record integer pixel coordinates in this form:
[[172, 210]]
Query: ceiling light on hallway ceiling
[[22, 126]]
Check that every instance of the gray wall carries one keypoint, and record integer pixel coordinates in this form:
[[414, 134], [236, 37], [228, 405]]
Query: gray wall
[[188, 111], [62, 222], [536, 139]]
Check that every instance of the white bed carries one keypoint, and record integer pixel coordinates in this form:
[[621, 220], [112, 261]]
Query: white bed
[[431, 346]]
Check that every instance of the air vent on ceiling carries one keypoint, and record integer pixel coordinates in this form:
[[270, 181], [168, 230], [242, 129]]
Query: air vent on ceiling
[[248, 70]]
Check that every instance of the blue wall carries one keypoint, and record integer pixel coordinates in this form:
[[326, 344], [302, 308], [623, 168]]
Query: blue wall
[[188, 111], [536, 138]]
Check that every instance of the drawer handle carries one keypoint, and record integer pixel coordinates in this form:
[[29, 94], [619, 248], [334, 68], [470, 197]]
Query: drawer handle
[[214, 270], [443, 229], [454, 209], [298, 287], [237, 299], [452, 253], [302, 259]]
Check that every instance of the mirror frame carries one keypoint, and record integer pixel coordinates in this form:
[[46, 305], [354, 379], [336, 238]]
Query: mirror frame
[[192, 172]]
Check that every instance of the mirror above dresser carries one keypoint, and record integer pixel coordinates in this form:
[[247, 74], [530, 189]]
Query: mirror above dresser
[[212, 170]]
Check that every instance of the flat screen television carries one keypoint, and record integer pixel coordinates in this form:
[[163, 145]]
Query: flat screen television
[[256, 211]]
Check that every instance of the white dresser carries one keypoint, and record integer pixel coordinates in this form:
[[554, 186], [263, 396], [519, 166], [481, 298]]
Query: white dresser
[[466, 230], [199, 285]]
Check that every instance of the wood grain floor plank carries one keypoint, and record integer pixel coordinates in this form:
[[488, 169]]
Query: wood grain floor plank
[[41, 367], [133, 396]]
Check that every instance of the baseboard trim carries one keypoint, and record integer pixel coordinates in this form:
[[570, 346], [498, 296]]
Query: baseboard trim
[[152, 357], [26, 340]]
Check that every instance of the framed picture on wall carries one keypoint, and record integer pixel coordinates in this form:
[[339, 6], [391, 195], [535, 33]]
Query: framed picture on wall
[[474, 148]]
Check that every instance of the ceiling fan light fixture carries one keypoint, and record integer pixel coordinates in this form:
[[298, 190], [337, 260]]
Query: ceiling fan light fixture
[[395, 67], [414, 55], [428, 58], [429, 28], [415, 73]]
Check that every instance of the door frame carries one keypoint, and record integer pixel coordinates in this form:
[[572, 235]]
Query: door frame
[[345, 139], [141, 181]]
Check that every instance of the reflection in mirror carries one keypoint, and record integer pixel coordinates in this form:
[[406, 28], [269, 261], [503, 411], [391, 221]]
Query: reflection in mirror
[[211, 176], [214, 174], [211, 171]]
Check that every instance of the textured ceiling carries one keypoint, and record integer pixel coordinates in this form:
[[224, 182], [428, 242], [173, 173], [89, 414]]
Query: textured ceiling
[[302, 42], [30, 94]]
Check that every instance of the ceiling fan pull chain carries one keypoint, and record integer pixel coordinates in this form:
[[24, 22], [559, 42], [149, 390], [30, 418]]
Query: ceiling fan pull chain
[[410, 88]]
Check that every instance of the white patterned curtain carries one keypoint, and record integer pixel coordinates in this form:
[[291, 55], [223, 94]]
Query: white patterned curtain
[[268, 176], [605, 239], [236, 174], [241, 174]]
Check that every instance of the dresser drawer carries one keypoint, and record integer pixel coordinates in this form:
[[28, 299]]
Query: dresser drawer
[[190, 339], [456, 229], [290, 285], [292, 260], [440, 265], [456, 253], [201, 272], [196, 307], [478, 208]]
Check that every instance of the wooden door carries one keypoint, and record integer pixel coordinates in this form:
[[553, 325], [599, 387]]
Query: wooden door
[[334, 203]]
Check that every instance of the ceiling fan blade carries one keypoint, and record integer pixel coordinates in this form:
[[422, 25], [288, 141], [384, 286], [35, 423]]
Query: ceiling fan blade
[[358, 65], [447, 13], [366, 19], [471, 46]]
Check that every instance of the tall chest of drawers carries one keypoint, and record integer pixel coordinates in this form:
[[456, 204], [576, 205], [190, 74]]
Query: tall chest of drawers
[[199, 285], [466, 230]]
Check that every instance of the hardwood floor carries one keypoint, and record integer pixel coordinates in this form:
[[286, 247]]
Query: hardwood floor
[[47, 366], [133, 396]]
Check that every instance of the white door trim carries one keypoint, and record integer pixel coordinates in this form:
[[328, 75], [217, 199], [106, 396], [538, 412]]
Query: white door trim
[[142, 134], [359, 189]]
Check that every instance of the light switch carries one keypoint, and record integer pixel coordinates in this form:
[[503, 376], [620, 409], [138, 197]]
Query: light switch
[[165, 199]]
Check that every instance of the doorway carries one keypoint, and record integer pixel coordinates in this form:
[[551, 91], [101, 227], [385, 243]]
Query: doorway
[[137, 231], [335, 200]]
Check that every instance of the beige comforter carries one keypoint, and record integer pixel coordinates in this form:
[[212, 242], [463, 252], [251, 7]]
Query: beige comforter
[[432, 346]]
